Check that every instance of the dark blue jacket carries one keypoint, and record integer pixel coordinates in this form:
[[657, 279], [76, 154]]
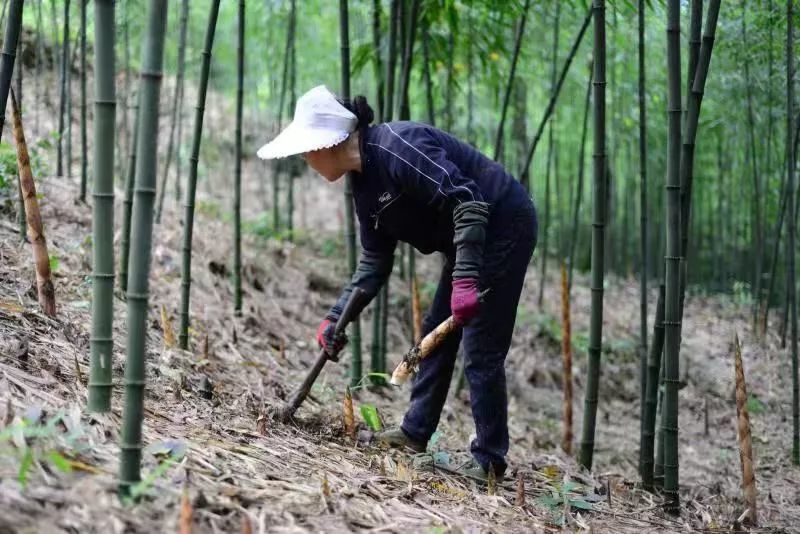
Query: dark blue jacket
[[413, 176]]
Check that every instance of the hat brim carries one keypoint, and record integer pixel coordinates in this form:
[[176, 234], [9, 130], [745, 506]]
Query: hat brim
[[296, 139]]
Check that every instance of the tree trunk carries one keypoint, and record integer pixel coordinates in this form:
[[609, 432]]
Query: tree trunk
[[498, 141], [102, 342], [293, 168], [598, 228], [127, 204], [549, 168], [426, 73], [672, 260], [643, 219], [278, 165], [581, 167], [378, 62], [10, 41], [84, 162], [350, 231], [790, 241], [757, 220], [191, 177], [391, 62], [237, 168], [524, 178], [41, 259], [654, 363], [176, 104], [146, 170]]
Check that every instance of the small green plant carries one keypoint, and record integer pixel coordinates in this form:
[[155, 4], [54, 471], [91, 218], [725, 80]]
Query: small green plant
[[560, 497], [28, 442], [755, 405], [370, 415]]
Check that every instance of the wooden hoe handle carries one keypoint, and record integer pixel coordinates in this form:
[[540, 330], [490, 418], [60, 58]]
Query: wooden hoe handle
[[352, 308]]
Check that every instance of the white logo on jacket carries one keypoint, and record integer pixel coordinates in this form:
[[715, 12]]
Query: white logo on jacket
[[385, 197]]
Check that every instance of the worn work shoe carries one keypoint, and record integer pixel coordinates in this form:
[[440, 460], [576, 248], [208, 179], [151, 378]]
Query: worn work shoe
[[395, 437], [472, 469]]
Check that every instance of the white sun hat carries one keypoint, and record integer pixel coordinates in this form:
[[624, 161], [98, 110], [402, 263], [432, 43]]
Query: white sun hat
[[320, 121]]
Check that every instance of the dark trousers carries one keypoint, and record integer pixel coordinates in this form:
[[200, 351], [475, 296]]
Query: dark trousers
[[511, 238]]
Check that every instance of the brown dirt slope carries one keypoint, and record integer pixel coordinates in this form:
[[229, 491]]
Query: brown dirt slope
[[206, 411]]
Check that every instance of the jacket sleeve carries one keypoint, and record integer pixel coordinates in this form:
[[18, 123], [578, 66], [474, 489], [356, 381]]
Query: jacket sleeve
[[374, 266], [416, 161]]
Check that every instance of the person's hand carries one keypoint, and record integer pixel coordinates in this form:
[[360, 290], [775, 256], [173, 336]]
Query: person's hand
[[328, 340], [464, 300]]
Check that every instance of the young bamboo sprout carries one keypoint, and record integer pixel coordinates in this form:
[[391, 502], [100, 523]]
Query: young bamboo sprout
[[745, 441], [520, 500], [348, 414], [408, 366], [566, 350], [166, 327], [186, 513], [41, 259]]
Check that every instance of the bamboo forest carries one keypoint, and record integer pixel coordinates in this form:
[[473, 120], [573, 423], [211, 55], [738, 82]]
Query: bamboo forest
[[399, 266]]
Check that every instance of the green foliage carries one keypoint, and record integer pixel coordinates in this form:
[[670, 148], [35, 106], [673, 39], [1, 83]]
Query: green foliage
[[28, 441], [370, 415], [54, 262], [560, 495], [755, 405]]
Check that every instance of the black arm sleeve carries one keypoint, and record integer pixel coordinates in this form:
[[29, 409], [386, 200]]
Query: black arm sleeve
[[372, 272], [470, 220]]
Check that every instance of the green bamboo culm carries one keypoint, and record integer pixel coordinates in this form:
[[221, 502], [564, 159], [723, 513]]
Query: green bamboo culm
[[279, 164], [10, 40], [790, 240], [672, 259], [237, 169], [127, 204], [191, 178], [177, 97], [642, 220], [350, 229], [102, 343], [647, 438], [293, 166], [598, 236], [84, 162], [141, 239], [62, 107], [573, 242]]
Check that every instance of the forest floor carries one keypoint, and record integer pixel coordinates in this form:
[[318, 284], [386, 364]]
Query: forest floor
[[207, 433], [206, 428]]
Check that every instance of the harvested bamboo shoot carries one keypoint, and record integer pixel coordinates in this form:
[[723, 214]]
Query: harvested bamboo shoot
[[411, 360], [745, 441]]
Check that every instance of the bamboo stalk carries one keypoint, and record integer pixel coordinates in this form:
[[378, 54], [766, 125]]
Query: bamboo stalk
[[348, 414], [127, 205], [41, 259], [598, 240], [498, 141], [237, 167], [102, 342], [9, 54], [745, 441], [791, 229], [84, 160], [566, 352], [643, 217], [523, 175], [647, 443], [176, 101], [141, 240], [573, 242], [63, 83], [191, 178], [669, 419], [350, 231]]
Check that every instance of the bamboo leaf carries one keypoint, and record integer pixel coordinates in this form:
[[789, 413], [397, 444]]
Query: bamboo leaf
[[24, 467], [60, 463], [370, 415]]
